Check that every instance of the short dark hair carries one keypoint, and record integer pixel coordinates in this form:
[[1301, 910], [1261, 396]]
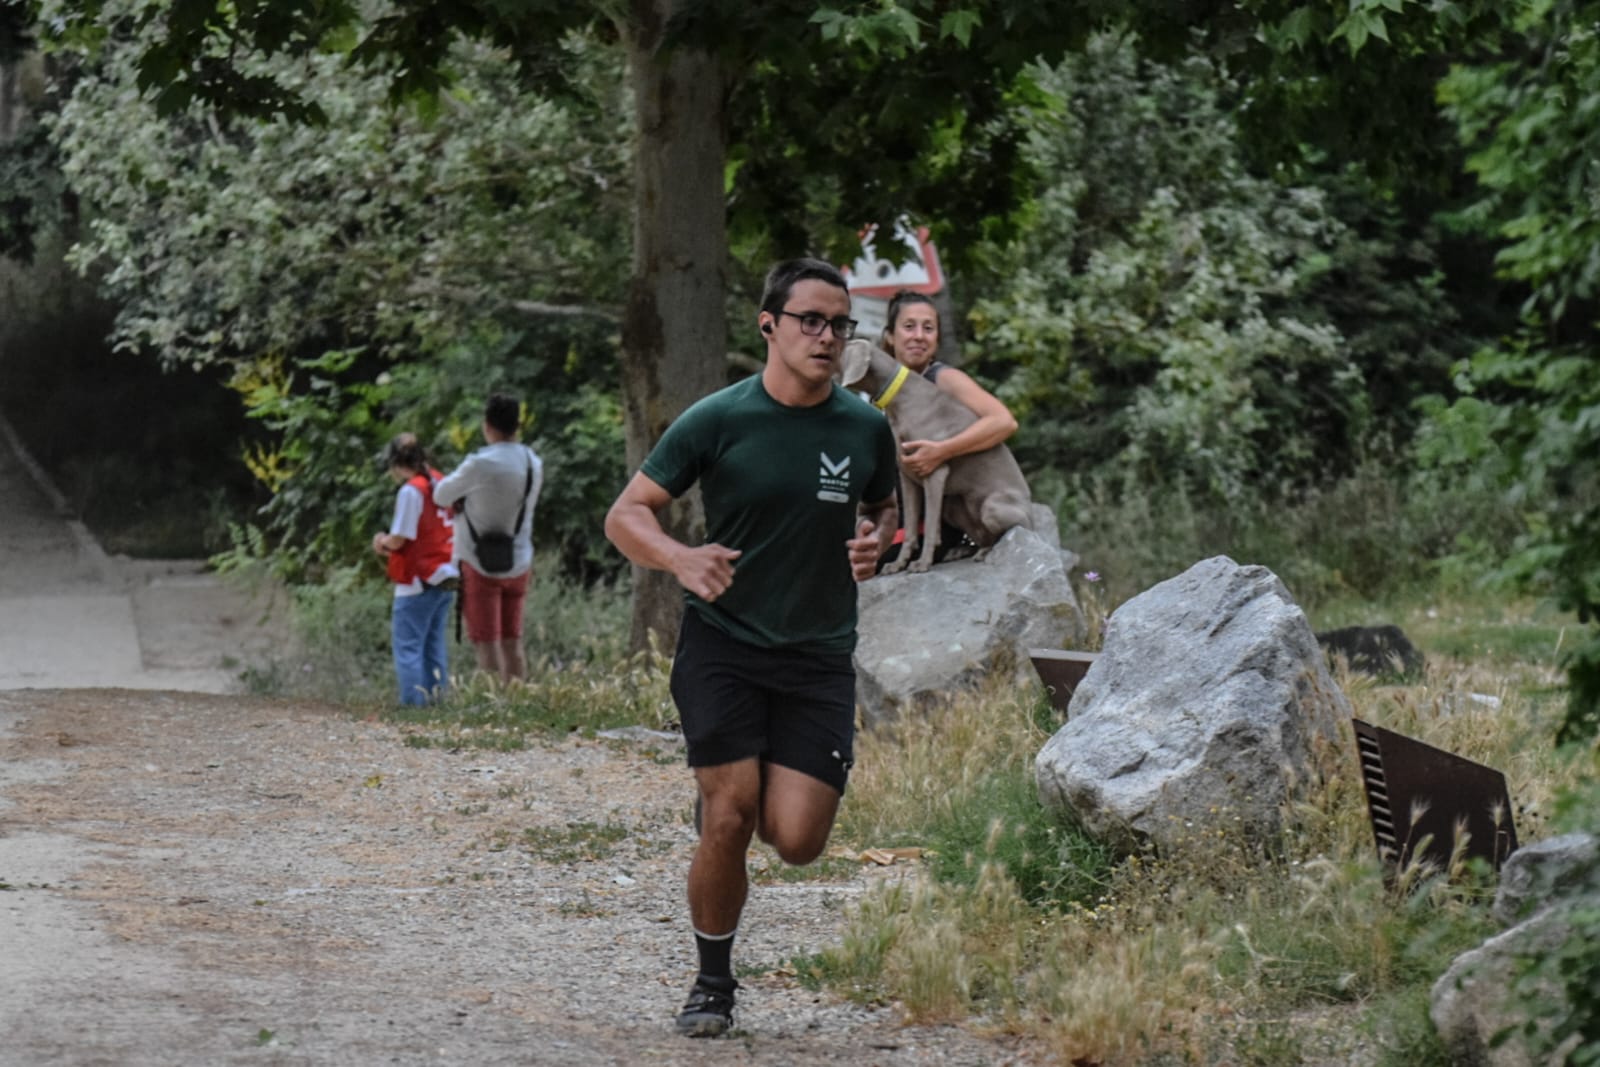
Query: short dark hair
[[783, 277], [504, 413]]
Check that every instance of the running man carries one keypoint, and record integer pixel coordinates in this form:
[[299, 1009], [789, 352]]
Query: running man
[[798, 480]]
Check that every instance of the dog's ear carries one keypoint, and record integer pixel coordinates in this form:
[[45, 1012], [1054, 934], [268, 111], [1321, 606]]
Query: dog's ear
[[854, 362]]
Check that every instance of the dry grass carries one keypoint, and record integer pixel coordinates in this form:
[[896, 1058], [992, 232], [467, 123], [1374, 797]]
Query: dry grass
[[1221, 946], [920, 768]]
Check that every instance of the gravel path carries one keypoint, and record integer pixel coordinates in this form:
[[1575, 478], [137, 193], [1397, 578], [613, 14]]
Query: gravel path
[[194, 879]]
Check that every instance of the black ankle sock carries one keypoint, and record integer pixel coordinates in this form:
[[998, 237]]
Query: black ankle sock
[[716, 954]]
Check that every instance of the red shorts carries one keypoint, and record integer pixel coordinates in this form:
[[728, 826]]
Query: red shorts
[[492, 607]]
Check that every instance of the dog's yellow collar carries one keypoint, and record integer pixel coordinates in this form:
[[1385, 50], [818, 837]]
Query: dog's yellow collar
[[885, 398]]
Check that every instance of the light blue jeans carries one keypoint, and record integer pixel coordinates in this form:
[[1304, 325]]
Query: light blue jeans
[[419, 633]]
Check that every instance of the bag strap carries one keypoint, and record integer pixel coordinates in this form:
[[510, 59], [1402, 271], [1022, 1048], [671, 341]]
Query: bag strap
[[527, 487]]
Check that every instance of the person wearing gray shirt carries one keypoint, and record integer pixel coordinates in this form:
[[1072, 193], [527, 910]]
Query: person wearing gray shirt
[[494, 493]]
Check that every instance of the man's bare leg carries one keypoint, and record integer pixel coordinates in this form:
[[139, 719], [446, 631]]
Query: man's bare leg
[[730, 797], [797, 813], [489, 657], [513, 664]]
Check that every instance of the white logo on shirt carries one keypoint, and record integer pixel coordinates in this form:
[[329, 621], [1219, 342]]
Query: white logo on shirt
[[834, 480]]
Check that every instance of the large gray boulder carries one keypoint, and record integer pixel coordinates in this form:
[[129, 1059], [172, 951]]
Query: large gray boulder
[[1205, 708], [1541, 885], [924, 637]]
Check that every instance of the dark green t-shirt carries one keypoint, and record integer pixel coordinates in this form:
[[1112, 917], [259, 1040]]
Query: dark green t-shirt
[[781, 485]]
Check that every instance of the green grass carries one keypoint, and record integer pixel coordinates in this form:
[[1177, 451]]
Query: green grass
[[1002, 823], [1484, 629], [582, 698], [579, 677], [767, 869], [1255, 955], [578, 842]]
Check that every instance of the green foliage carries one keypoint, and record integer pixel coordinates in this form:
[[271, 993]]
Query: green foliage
[[393, 229], [908, 103], [1569, 1020], [1353, 84], [381, 272], [1532, 413], [1174, 318], [1002, 824], [1533, 135], [329, 491], [1370, 536]]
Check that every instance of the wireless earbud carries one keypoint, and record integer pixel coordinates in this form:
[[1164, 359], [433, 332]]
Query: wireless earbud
[[766, 327]]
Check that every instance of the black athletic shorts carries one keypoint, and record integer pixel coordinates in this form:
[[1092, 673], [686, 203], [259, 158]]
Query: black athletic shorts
[[737, 700]]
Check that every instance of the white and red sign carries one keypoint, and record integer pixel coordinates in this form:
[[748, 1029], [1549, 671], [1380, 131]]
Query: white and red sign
[[879, 279]]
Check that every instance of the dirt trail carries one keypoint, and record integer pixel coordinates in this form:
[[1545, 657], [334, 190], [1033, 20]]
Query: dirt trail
[[198, 879], [72, 616], [193, 878]]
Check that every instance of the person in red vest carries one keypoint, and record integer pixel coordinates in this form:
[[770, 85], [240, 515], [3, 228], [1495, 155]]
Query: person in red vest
[[418, 548]]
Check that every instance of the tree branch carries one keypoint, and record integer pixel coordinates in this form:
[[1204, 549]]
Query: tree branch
[[540, 310], [745, 362]]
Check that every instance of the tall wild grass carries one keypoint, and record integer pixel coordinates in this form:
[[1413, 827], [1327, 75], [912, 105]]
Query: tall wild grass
[[1291, 951], [1298, 949]]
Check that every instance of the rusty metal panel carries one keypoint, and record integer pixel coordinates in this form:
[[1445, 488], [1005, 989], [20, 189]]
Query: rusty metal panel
[[1419, 797], [1061, 671]]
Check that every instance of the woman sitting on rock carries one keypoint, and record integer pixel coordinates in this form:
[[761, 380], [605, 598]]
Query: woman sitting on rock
[[911, 334], [912, 337]]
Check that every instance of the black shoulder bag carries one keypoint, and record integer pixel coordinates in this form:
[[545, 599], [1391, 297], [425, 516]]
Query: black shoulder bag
[[495, 550]]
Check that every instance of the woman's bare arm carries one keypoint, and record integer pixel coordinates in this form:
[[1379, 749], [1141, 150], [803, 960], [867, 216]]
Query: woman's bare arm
[[995, 425]]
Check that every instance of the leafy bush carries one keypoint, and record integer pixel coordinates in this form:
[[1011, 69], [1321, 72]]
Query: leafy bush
[[381, 273], [1533, 401], [1373, 535], [1170, 318]]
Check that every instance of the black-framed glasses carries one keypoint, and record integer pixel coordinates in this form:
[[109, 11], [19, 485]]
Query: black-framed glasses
[[811, 324]]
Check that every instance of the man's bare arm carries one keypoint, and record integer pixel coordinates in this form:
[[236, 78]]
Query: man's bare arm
[[874, 533], [633, 525]]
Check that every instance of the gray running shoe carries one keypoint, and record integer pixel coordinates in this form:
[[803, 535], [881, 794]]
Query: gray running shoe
[[709, 1011]]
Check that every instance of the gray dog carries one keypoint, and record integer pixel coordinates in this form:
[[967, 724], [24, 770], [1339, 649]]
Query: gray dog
[[984, 493]]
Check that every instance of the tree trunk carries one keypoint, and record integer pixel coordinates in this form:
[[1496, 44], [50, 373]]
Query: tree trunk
[[674, 330]]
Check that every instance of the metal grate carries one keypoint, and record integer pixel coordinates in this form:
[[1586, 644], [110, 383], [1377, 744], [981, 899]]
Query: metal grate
[[1420, 798], [1061, 671]]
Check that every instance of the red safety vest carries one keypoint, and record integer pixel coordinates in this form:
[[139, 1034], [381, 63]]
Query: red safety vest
[[433, 546]]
